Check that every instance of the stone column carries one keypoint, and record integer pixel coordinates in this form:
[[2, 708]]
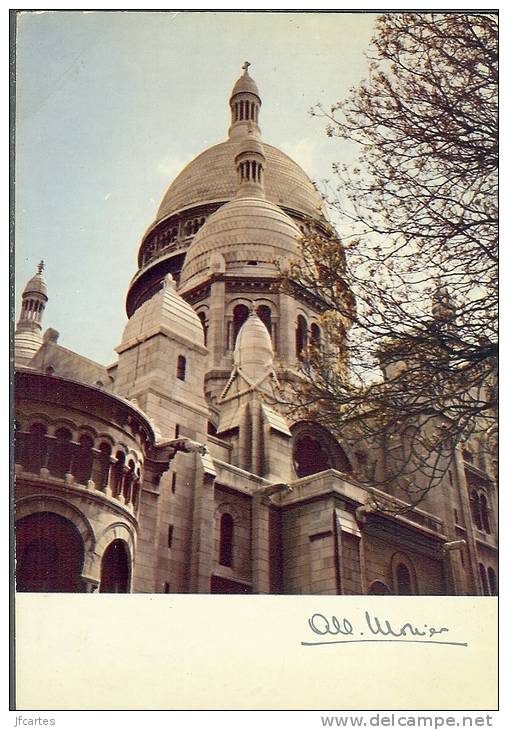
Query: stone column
[[453, 568], [203, 531], [91, 585], [260, 544], [216, 334], [463, 489], [257, 462], [245, 439], [286, 329]]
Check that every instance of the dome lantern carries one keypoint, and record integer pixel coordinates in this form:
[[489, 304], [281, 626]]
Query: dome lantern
[[245, 103], [250, 164]]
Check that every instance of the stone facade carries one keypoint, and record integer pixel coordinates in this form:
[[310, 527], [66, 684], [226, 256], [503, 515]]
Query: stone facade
[[174, 469]]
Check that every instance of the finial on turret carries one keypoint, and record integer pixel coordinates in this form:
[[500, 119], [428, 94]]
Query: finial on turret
[[245, 103], [28, 335], [443, 306], [169, 281]]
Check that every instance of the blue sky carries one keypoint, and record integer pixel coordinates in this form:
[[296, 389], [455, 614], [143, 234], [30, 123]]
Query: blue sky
[[111, 105]]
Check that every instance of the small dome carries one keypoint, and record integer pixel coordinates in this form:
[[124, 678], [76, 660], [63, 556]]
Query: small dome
[[253, 349], [165, 309], [245, 84], [37, 284], [247, 232]]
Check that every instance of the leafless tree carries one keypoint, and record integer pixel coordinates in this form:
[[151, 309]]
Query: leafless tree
[[409, 273]]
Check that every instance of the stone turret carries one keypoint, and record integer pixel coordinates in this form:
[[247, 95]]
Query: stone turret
[[443, 306], [260, 436], [28, 335], [245, 103], [162, 360]]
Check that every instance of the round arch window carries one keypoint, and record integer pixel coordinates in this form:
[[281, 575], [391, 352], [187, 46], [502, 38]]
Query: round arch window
[[403, 575], [316, 450], [50, 554], [115, 568], [378, 588]]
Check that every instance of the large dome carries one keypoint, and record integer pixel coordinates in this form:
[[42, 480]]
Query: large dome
[[246, 233], [211, 177]]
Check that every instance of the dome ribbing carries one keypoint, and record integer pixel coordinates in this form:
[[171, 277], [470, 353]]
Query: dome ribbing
[[249, 233]]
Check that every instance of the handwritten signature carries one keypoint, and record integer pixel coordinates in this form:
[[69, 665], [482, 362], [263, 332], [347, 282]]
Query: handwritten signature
[[373, 629]]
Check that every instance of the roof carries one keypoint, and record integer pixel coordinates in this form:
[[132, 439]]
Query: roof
[[245, 85], [276, 420], [36, 285], [253, 348], [244, 233], [212, 177], [166, 310]]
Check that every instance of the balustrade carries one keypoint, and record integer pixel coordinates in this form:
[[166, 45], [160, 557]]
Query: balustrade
[[36, 450]]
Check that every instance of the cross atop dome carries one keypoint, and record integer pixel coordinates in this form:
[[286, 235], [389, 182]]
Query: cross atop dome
[[246, 67], [40, 267]]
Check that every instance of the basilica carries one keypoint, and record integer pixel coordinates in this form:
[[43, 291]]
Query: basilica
[[174, 469]]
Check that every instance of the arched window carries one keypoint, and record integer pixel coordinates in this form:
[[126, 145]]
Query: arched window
[[475, 508], [37, 566], [403, 581], [115, 568], [310, 456], [492, 581], [61, 454], [117, 473], [226, 540], [181, 365], [315, 335], [100, 473], [204, 324], [127, 481], [82, 467], [316, 450], [136, 486], [240, 315], [49, 553], [34, 457], [483, 578], [265, 315], [484, 513], [301, 335], [378, 588]]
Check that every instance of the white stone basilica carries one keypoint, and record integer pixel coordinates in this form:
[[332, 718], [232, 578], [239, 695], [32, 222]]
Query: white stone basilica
[[174, 469]]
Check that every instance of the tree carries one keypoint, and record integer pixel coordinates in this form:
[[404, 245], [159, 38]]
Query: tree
[[410, 282]]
